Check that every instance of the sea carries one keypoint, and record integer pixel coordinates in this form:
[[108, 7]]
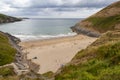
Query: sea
[[40, 28]]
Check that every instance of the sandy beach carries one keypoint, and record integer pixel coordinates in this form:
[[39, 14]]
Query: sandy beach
[[51, 54]]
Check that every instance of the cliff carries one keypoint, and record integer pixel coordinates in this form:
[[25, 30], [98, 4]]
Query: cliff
[[7, 19], [105, 20]]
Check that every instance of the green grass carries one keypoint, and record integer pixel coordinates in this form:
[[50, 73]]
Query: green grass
[[103, 24], [2, 16], [49, 74], [7, 71], [7, 52], [107, 37], [97, 62]]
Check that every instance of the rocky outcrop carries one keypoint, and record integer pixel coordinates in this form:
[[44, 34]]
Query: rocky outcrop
[[8, 19], [85, 31]]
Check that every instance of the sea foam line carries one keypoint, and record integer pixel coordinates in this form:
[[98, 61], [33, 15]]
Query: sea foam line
[[37, 37]]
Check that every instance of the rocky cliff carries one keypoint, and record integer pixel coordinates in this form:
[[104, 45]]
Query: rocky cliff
[[105, 20]]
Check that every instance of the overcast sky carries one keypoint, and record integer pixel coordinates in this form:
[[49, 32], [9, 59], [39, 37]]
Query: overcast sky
[[52, 8]]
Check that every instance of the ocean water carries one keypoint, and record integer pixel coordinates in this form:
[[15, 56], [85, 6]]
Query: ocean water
[[31, 29]]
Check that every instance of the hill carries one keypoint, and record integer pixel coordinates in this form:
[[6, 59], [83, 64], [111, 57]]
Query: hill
[[105, 20], [99, 61], [7, 52], [7, 19]]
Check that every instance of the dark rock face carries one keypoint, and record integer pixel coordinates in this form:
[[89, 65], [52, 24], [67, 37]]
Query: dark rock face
[[9, 20], [13, 38], [80, 30], [21, 61]]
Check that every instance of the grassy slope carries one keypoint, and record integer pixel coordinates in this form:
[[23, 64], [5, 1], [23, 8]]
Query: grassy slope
[[100, 61], [7, 52], [102, 24], [104, 20]]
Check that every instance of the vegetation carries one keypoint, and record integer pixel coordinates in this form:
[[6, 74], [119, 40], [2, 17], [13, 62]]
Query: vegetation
[[105, 20], [7, 52], [7, 71], [49, 74], [2, 16], [100, 61], [103, 24], [7, 19], [116, 5]]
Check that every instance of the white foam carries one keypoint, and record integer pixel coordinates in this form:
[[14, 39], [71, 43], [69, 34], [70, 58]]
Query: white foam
[[37, 37]]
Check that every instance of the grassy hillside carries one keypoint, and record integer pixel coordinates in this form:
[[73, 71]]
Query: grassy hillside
[[105, 20], [103, 24], [7, 52], [100, 61]]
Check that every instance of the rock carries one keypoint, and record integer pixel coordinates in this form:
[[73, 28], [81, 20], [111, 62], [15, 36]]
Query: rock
[[85, 31], [35, 58]]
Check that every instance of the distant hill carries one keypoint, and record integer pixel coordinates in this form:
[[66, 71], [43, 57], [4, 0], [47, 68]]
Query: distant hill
[[7, 19], [104, 20]]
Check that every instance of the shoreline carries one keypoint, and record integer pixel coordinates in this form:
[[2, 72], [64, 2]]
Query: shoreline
[[43, 37], [51, 40], [51, 54]]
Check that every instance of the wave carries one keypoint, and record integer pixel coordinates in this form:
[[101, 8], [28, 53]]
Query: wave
[[40, 37]]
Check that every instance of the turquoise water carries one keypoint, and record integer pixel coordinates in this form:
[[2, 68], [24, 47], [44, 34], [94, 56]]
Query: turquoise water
[[40, 28]]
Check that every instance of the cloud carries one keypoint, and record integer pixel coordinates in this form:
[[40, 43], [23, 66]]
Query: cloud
[[52, 8]]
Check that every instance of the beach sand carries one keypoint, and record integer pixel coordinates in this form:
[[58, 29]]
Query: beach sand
[[51, 54]]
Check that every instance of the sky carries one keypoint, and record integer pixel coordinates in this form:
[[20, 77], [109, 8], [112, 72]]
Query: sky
[[52, 8]]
